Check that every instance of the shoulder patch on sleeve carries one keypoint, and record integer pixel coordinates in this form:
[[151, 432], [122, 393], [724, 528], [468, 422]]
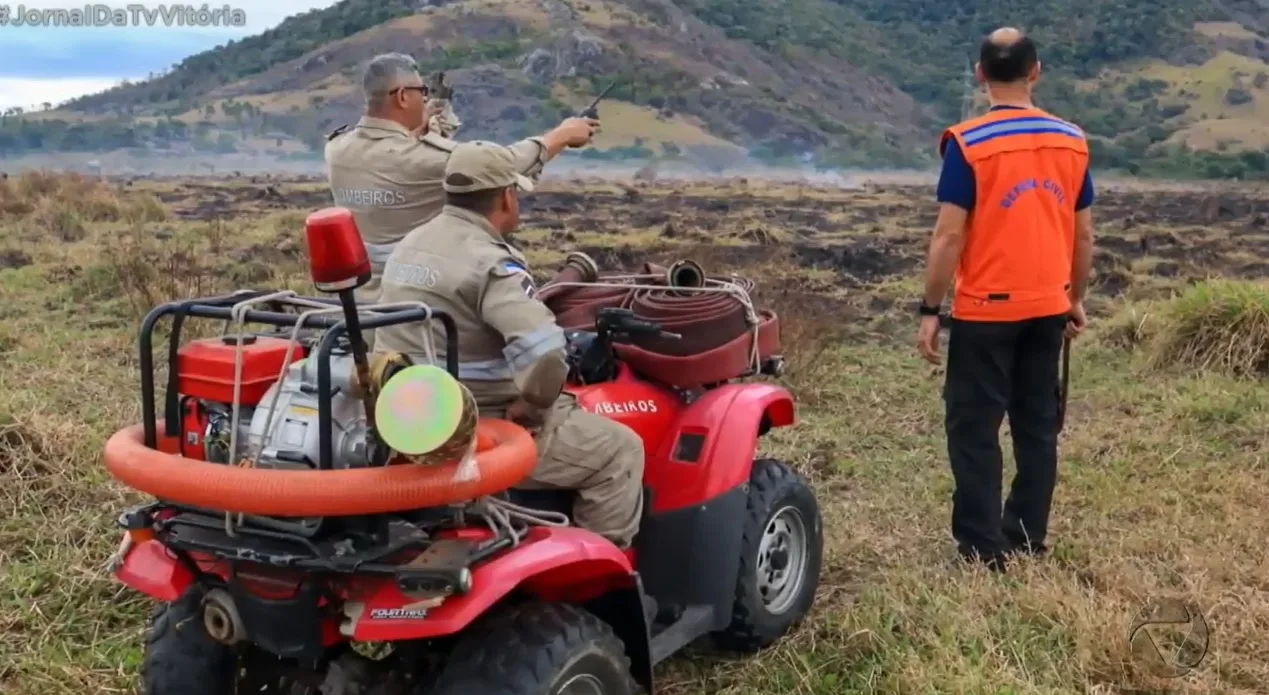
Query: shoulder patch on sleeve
[[526, 283], [509, 267], [439, 142], [503, 265], [337, 132]]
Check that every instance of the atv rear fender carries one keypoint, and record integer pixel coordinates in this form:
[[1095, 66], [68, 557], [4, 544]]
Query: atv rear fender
[[554, 564], [711, 448]]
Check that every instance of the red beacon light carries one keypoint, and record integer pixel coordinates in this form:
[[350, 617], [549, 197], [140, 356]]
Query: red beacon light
[[338, 261]]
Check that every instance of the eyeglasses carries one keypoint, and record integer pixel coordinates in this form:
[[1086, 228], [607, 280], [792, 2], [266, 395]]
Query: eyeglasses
[[421, 89]]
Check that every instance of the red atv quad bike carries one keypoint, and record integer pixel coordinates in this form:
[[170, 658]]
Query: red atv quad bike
[[488, 596]]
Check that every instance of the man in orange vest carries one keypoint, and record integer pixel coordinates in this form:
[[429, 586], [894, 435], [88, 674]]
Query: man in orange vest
[[1014, 228]]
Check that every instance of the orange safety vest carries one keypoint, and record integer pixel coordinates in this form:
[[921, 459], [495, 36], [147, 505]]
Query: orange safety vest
[[1028, 168]]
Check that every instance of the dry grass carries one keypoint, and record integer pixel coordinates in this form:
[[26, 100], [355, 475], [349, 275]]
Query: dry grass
[[63, 206], [1220, 326], [629, 124], [1163, 486], [1229, 30]]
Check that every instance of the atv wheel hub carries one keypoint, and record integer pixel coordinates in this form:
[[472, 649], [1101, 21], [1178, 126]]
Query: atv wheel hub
[[782, 557]]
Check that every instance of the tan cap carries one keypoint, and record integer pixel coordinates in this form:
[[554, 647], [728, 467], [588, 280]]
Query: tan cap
[[478, 166]]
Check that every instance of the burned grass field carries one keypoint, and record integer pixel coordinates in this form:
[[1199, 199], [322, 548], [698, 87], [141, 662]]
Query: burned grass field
[[1163, 475]]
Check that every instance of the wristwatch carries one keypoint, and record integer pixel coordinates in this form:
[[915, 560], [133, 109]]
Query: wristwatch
[[927, 310]]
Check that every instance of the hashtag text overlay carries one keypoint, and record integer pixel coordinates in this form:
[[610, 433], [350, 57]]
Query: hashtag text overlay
[[134, 15]]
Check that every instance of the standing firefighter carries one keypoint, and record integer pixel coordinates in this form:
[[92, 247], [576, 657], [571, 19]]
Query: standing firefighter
[[387, 169], [1015, 229]]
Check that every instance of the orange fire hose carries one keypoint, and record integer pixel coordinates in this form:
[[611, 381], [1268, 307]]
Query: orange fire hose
[[506, 454]]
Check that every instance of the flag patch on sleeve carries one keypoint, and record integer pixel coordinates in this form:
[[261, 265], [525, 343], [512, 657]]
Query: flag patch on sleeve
[[526, 280]]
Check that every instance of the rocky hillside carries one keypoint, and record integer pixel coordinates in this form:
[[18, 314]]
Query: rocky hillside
[[1166, 86]]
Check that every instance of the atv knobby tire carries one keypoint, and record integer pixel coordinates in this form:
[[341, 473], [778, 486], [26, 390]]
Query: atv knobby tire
[[180, 658], [781, 506], [537, 649]]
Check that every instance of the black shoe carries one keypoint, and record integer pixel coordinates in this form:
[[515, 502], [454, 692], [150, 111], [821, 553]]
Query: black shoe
[[998, 562], [1036, 550], [1018, 543]]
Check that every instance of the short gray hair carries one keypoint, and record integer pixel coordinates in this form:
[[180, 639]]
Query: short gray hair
[[385, 72]]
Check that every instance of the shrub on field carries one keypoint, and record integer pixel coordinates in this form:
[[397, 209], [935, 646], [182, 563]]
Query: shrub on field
[[1219, 326], [138, 265], [148, 271], [62, 204], [21, 448], [1127, 330]]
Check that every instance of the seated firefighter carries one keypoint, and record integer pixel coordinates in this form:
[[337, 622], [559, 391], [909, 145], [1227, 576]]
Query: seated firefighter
[[512, 350]]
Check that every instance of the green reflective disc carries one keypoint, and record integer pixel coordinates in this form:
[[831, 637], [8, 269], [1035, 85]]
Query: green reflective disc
[[419, 409]]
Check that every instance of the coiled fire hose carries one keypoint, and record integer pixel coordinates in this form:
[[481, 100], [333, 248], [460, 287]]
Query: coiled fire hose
[[723, 336]]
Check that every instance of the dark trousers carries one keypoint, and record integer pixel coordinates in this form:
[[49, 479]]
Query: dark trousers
[[994, 368]]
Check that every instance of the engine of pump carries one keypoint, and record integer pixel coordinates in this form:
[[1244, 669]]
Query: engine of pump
[[277, 422]]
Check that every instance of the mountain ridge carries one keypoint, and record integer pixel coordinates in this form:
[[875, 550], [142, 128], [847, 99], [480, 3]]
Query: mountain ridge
[[1160, 85]]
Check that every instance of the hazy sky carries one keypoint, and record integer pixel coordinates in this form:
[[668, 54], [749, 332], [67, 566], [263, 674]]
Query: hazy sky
[[53, 64]]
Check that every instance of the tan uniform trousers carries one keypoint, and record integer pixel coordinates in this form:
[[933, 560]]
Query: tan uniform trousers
[[602, 460]]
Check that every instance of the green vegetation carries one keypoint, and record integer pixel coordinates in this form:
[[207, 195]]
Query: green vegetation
[[240, 121], [1180, 162], [927, 48], [18, 136], [464, 53]]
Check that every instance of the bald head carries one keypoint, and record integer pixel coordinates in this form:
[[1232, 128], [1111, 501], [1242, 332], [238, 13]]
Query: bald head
[[1004, 36], [1007, 56]]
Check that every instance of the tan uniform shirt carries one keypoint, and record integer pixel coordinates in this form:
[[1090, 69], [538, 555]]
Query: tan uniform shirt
[[457, 263], [391, 181]]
